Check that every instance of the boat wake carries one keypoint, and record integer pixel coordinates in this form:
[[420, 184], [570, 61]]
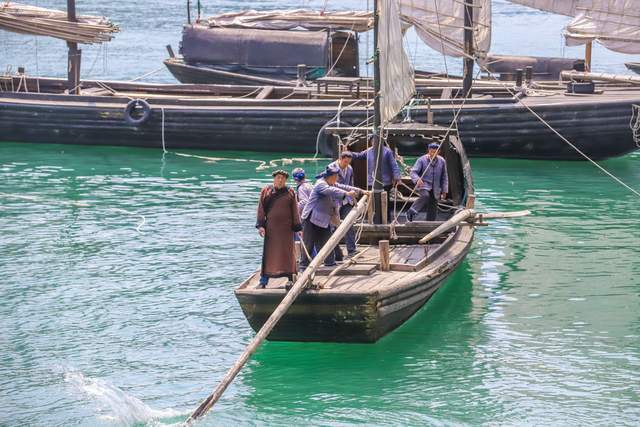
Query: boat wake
[[115, 406]]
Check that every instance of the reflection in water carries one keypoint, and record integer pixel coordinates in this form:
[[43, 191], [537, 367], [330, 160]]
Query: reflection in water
[[404, 378]]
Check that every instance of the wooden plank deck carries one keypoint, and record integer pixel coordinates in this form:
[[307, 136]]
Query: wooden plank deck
[[364, 274]]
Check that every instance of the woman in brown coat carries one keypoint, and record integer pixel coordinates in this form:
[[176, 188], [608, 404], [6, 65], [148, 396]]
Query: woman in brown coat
[[278, 219]]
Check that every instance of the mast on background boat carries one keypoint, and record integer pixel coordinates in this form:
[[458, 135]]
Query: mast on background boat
[[468, 49], [74, 55]]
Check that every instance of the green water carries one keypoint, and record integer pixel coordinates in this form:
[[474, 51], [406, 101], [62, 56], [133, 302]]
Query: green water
[[106, 320]]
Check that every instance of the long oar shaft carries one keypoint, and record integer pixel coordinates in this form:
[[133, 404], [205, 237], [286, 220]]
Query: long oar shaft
[[280, 311]]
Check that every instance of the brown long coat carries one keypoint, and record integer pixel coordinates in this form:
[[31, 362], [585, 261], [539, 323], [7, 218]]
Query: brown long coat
[[278, 214]]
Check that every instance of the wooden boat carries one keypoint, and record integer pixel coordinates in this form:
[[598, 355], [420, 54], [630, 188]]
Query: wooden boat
[[285, 119], [247, 56], [492, 123], [633, 66], [358, 302]]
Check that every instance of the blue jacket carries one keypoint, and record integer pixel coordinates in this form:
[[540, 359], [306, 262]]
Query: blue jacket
[[390, 169], [433, 174], [345, 177], [322, 203], [303, 192]]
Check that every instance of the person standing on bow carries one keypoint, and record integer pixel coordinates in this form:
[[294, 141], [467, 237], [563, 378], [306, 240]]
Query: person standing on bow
[[345, 177], [277, 221], [317, 213], [429, 175]]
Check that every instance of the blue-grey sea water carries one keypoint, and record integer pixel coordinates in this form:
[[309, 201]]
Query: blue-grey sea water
[[117, 270]]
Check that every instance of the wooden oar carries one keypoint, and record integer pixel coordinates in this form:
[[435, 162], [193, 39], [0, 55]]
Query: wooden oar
[[280, 311], [471, 216]]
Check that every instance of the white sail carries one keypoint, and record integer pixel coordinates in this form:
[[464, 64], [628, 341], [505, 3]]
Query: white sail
[[396, 75], [440, 24], [561, 7], [293, 19], [612, 23]]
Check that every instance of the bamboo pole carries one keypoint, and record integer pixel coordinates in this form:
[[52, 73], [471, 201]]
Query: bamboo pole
[[463, 215], [605, 77], [281, 310], [472, 218]]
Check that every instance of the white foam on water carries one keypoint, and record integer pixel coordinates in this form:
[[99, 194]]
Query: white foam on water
[[114, 405]]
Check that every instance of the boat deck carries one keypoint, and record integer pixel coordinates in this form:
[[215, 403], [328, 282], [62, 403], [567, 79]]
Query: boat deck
[[348, 275]]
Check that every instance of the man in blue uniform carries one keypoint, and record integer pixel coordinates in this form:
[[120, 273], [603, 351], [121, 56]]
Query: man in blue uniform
[[303, 188], [390, 170], [345, 177], [317, 213], [429, 175]]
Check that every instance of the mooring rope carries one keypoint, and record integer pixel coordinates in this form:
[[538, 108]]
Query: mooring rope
[[635, 123], [262, 164], [573, 146]]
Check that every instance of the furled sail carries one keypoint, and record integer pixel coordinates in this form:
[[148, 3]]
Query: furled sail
[[292, 19], [561, 7], [440, 24], [613, 23], [396, 75]]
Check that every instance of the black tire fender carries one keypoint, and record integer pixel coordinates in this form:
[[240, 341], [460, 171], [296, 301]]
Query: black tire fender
[[131, 106]]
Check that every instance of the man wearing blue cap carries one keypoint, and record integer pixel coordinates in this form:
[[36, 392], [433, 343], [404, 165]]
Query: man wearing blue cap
[[317, 213], [429, 174], [345, 177], [303, 188]]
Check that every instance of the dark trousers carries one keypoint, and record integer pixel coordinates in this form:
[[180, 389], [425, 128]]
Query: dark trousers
[[315, 237], [428, 199], [350, 237]]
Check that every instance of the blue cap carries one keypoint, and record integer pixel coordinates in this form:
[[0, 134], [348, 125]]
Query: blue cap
[[346, 153], [330, 170], [434, 146], [298, 174]]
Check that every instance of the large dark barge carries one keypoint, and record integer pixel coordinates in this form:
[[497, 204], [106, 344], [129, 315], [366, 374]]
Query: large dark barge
[[285, 119]]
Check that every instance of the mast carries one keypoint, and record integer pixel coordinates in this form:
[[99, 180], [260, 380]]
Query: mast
[[74, 55], [468, 48], [377, 143]]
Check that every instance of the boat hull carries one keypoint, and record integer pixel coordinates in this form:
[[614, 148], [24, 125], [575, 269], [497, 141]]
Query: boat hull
[[352, 317], [506, 130], [185, 73], [336, 318], [633, 66]]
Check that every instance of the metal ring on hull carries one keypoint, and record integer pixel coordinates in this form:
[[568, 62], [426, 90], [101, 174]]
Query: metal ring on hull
[[130, 108], [325, 140]]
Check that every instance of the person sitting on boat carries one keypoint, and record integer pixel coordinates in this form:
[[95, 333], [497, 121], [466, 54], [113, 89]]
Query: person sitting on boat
[[345, 177], [429, 174], [303, 188], [278, 220], [318, 212], [390, 171]]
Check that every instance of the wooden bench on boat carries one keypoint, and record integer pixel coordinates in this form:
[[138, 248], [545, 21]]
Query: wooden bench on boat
[[348, 82]]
